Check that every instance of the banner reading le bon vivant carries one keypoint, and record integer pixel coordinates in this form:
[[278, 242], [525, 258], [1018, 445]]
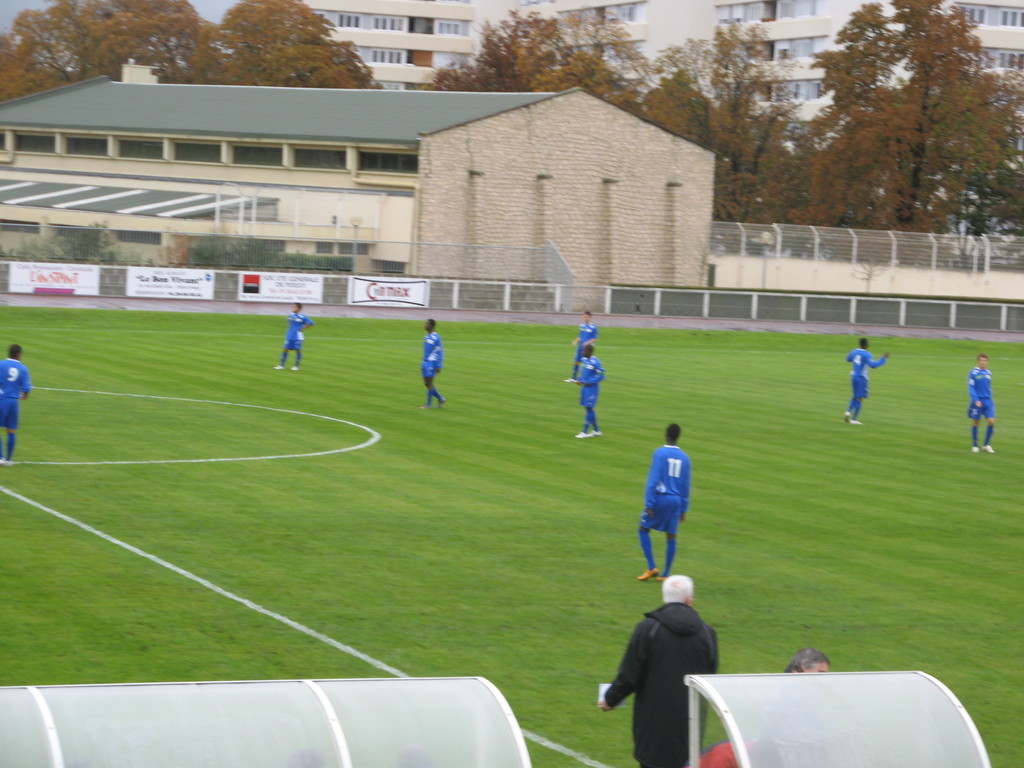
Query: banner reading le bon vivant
[[388, 292], [76, 279], [169, 283]]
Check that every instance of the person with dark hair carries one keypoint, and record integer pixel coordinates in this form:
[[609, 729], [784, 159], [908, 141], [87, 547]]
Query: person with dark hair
[[666, 499], [433, 359], [297, 325], [590, 388], [722, 755], [670, 643], [979, 387], [587, 335], [862, 362], [15, 384], [808, 660]]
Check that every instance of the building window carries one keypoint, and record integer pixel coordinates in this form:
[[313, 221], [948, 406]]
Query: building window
[[391, 86], [324, 247], [441, 59], [976, 13], [353, 249], [197, 151], [319, 158], [24, 227], [85, 145], [452, 28], [140, 149], [138, 236], [389, 267], [1018, 143], [421, 26], [384, 55], [350, 21], [1012, 18], [795, 9], [35, 142], [249, 154], [799, 90], [388, 161], [797, 48], [389, 23], [632, 13]]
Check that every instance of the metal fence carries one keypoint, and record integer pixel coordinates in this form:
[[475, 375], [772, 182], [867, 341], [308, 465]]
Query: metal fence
[[868, 247], [98, 245]]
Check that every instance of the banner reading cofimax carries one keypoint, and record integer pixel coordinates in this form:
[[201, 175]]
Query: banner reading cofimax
[[169, 283], [388, 291], [32, 277]]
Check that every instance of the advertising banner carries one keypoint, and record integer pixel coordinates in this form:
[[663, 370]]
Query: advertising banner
[[389, 291], [71, 279], [281, 286], [169, 283]]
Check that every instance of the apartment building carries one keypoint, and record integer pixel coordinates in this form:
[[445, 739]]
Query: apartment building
[[403, 39]]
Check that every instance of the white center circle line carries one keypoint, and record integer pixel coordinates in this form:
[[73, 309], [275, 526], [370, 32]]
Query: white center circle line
[[374, 435]]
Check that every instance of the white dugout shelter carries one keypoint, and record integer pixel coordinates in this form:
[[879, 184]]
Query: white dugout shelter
[[838, 720], [375, 723]]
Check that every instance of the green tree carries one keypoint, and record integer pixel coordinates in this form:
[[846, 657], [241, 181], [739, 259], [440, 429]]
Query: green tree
[[279, 43], [918, 134], [725, 95], [525, 53]]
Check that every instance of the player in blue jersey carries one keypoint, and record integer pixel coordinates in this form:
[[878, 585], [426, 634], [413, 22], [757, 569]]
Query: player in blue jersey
[[297, 325], [433, 361], [979, 386], [15, 384], [588, 335], [666, 499], [591, 375], [862, 362]]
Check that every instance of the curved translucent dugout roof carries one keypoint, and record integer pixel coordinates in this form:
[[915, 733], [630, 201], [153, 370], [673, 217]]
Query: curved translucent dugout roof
[[378, 723], [839, 720]]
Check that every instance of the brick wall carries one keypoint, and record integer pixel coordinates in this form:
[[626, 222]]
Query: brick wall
[[623, 200]]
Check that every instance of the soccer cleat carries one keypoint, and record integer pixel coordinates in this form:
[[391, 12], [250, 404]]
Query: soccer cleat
[[847, 417], [425, 407], [295, 367], [854, 421], [596, 433], [987, 449], [441, 402], [278, 367], [6, 463], [662, 578], [570, 381], [582, 434], [647, 574], [975, 449]]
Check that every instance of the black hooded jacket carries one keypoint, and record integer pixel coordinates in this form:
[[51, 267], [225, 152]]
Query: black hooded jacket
[[670, 643]]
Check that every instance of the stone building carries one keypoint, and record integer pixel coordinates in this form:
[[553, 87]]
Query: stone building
[[365, 177]]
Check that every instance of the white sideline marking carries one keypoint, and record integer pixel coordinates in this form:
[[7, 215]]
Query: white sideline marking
[[374, 435], [375, 663]]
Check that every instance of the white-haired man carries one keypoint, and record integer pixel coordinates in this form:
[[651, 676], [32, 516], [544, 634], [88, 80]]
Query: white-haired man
[[670, 643]]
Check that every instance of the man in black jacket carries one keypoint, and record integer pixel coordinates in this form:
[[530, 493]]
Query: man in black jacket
[[670, 643]]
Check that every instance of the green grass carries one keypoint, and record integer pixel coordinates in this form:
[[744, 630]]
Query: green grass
[[483, 539]]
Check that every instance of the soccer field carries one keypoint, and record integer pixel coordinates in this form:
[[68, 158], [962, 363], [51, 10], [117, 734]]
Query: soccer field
[[482, 539]]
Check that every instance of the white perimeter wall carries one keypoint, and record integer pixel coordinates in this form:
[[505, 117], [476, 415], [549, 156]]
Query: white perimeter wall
[[799, 275]]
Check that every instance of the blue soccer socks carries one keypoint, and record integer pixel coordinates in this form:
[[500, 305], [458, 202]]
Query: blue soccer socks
[[670, 555], [645, 545]]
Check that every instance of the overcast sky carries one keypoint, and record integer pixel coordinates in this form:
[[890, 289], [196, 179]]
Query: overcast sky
[[212, 10]]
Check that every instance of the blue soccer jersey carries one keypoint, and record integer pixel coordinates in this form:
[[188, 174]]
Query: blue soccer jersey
[[669, 475], [14, 379], [297, 322], [592, 371], [588, 333], [979, 384], [862, 361], [433, 350]]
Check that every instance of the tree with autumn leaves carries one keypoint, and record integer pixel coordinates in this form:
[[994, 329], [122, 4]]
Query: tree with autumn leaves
[[919, 133], [259, 42]]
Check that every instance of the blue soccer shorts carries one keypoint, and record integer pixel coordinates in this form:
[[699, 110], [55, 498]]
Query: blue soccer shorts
[[588, 395], [860, 387], [8, 413], [429, 369], [987, 409], [667, 512]]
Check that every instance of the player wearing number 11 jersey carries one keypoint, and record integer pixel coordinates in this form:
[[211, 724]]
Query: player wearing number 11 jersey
[[666, 499]]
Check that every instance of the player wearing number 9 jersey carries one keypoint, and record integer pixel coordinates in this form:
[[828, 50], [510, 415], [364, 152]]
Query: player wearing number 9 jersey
[[15, 385], [666, 500]]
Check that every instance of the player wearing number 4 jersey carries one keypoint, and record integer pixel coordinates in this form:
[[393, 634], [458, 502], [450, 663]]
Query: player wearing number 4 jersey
[[862, 363], [666, 499], [15, 385]]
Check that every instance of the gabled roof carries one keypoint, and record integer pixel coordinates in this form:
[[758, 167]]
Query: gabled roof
[[289, 114]]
